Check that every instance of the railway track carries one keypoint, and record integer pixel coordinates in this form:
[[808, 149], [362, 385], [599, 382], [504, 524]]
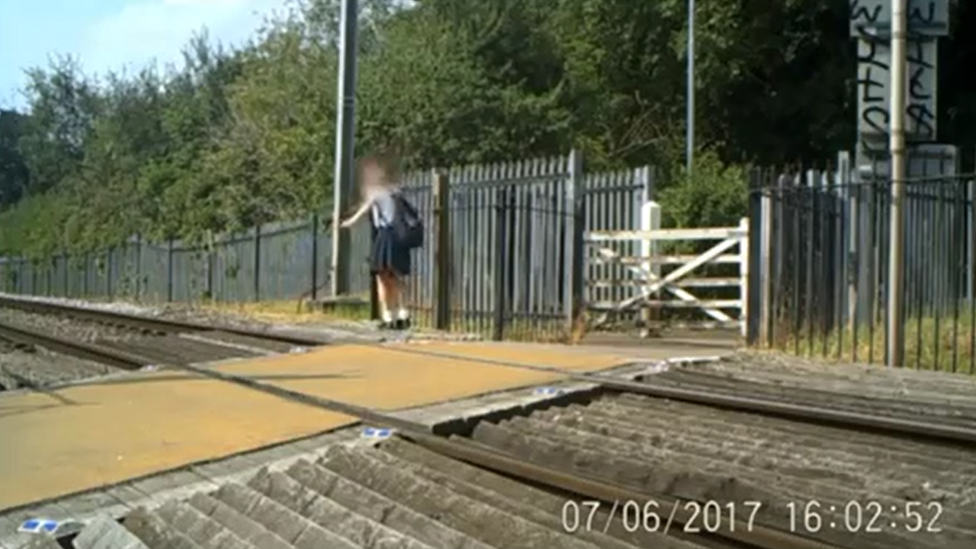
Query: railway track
[[134, 342], [147, 324], [198, 342], [681, 459], [615, 470], [944, 421]]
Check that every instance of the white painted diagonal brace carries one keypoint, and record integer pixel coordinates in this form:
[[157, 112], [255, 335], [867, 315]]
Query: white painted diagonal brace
[[668, 282]]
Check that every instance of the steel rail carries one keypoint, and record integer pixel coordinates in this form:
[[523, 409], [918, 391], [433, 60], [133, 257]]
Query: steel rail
[[800, 412], [144, 322], [775, 393], [758, 536], [89, 351]]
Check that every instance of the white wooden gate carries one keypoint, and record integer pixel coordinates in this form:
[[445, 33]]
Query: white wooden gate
[[651, 288]]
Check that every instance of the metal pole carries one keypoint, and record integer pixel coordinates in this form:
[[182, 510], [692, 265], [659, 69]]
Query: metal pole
[[345, 147], [690, 115], [896, 265]]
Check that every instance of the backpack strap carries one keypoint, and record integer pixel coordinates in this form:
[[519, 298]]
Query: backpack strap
[[402, 201]]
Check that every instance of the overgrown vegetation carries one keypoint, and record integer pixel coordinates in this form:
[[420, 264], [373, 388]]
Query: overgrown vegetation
[[244, 136]]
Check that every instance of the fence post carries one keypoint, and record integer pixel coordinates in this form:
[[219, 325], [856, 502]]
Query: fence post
[[374, 296], [971, 231], [49, 267], [138, 269], [864, 247], [257, 263], [500, 267], [169, 270], [211, 265], [108, 273], [754, 256], [746, 281], [847, 227], [84, 275], [646, 180], [768, 253], [646, 222], [573, 245], [315, 257], [442, 251], [66, 260], [650, 221]]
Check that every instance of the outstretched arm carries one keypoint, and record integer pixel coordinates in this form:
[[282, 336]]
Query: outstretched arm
[[359, 213]]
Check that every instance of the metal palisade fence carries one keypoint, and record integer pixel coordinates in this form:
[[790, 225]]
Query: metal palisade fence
[[272, 262], [819, 265], [503, 252], [505, 255]]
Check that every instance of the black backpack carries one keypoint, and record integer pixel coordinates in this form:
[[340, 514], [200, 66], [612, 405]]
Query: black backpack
[[407, 224]]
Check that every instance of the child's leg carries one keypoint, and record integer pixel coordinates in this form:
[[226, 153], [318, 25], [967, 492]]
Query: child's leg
[[402, 313], [383, 294]]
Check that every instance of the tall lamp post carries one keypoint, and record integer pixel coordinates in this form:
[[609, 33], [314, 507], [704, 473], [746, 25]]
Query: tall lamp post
[[690, 98], [896, 259], [345, 147]]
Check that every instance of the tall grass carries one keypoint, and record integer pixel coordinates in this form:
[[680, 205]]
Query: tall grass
[[942, 343]]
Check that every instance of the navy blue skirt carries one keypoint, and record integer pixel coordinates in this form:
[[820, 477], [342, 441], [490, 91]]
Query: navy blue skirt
[[388, 255]]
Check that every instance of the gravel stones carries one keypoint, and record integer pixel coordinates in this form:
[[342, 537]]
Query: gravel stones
[[35, 368]]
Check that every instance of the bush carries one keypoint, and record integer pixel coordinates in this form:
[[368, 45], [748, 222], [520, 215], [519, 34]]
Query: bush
[[715, 195]]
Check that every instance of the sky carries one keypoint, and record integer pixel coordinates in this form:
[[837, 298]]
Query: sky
[[114, 34]]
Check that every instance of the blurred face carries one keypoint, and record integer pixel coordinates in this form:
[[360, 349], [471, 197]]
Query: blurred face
[[372, 177]]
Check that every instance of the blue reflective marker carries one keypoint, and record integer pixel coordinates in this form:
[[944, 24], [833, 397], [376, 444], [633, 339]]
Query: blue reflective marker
[[547, 391], [38, 526], [372, 432]]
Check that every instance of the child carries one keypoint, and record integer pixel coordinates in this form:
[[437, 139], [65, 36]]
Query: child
[[390, 259]]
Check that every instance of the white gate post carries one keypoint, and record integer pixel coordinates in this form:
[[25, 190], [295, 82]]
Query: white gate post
[[744, 275], [650, 221]]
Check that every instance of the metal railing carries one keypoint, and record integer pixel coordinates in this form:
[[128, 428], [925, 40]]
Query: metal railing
[[820, 268]]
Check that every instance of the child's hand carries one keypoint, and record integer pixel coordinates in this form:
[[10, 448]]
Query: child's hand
[[347, 223]]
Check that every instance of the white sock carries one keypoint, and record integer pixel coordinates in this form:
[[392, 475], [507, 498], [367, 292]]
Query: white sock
[[387, 316], [403, 314]]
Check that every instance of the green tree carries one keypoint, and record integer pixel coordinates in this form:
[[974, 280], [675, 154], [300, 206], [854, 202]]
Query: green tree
[[239, 137], [14, 173]]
